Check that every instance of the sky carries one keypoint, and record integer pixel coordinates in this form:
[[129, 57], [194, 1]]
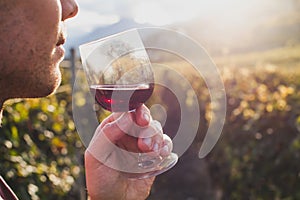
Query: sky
[[227, 15], [95, 13]]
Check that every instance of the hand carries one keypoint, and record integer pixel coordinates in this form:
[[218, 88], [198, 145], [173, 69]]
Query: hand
[[102, 158]]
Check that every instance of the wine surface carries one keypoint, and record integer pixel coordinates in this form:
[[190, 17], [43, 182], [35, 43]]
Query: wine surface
[[121, 98]]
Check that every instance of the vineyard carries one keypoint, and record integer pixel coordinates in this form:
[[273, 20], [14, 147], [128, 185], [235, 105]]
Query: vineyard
[[257, 156]]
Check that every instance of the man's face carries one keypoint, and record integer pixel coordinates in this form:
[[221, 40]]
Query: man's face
[[31, 38]]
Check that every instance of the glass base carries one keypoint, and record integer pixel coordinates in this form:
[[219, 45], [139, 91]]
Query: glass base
[[164, 165]]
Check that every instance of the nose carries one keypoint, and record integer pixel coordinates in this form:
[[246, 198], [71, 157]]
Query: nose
[[69, 9]]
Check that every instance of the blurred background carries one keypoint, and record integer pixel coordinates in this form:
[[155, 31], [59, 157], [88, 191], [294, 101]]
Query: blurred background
[[256, 47]]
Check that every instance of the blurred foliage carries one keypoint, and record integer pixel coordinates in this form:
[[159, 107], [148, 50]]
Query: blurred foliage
[[258, 154], [40, 150]]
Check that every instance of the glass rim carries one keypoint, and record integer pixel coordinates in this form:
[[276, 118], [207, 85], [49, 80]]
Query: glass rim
[[107, 37]]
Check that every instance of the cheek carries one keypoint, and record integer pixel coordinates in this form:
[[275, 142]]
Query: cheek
[[30, 39], [41, 26], [41, 34]]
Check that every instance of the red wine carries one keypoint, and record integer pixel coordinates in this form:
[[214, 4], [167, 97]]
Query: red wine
[[121, 98]]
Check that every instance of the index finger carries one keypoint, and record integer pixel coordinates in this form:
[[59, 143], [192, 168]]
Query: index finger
[[142, 116]]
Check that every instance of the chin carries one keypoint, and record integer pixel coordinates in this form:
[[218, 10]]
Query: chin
[[47, 86], [53, 86]]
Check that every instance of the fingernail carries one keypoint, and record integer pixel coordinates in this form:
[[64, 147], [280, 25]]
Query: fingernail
[[148, 142], [156, 124], [146, 117], [155, 147], [165, 150]]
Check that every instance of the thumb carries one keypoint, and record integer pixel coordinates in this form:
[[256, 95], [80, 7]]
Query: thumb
[[105, 137], [114, 130]]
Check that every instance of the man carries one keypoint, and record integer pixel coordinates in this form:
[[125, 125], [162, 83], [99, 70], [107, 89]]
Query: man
[[31, 39]]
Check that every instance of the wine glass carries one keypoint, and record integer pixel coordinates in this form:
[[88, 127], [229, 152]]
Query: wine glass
[[120, 78]]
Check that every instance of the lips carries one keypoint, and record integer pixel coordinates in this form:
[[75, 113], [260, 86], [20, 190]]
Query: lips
[[61, 40], [59, 50]]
